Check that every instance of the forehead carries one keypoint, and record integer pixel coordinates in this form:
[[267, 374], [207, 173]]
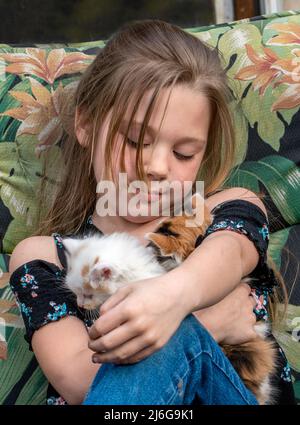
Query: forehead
[[187, 112]]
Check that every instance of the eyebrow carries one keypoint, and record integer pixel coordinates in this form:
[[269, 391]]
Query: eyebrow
[[152, 131]]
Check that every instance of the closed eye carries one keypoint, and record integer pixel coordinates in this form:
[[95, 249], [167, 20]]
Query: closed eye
[[178, 155], [183, 157], [133, 144]]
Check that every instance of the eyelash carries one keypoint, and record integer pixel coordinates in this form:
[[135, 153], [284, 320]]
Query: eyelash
[[179, 156]]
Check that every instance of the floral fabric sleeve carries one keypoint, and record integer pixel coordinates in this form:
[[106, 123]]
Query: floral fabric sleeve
[[41, 297]]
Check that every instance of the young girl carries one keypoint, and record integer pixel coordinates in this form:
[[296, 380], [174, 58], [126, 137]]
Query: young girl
[[153, 104]]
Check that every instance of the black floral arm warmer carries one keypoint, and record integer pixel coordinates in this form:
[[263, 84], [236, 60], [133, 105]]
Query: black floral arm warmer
[[41, 296], [248, 219]]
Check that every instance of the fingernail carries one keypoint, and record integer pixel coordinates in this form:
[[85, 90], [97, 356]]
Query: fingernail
[[95, 359]]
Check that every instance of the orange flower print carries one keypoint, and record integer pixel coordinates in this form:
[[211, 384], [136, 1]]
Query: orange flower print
[[7, 318], [289, 34], [3, 350], [289, 99], [39, 113], [261, 72], [269, 69], [290, 69], [47, 67]]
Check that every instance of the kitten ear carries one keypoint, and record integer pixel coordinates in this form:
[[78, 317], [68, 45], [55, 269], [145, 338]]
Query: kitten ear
[[100, 273], [148, 236], [159, 243]]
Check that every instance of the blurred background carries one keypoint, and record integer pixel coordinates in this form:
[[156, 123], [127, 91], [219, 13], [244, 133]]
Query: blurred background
[[71, 21]]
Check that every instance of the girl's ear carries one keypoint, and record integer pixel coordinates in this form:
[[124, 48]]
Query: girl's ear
[[81, 128]]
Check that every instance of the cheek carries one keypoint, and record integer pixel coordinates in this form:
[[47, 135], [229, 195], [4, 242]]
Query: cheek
[[98, 160], [185, 171], [193, 168], [129, 161], [99, 156]]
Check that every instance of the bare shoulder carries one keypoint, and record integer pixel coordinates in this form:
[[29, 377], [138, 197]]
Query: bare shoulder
[[234, 193], [32, 248]]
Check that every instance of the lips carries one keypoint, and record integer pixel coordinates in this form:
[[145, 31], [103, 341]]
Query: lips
[[149, 196], [154, 196]]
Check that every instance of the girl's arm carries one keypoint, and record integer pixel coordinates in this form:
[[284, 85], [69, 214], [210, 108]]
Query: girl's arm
[[213, 270], [232, 320], [220, 262], [60, 347]]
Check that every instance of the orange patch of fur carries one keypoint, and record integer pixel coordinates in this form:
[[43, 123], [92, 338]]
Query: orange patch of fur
[[184, 243], [86, 285], [85, 269]]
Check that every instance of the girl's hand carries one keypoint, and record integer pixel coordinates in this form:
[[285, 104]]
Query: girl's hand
[[231, 321], [136, 321]]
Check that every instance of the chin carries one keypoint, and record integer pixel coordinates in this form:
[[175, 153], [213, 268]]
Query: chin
[[140, 219], [144, 216]]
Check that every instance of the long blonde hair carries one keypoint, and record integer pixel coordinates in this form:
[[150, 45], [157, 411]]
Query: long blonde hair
[[142, 55]]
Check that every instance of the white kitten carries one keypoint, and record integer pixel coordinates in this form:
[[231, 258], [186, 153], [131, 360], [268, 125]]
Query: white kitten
[[98, 265]]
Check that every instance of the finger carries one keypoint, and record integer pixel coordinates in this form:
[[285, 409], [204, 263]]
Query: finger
[[114, 300], [253, 301], [246, 287], [254, 320], [122, 352], [113, 339], [110, 320], [144, 353]]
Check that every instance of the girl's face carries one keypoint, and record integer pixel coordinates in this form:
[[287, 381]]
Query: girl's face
[[178, 152]]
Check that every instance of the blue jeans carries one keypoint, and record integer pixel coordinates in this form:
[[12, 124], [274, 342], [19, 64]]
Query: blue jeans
[[190, 368]]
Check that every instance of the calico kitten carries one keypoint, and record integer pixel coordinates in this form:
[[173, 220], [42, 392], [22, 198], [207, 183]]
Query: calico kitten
[[100, 264]]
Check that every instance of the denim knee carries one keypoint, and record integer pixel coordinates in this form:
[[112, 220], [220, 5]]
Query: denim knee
[[204, 354], [194, 335]]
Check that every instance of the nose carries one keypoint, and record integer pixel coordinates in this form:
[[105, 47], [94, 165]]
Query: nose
[[157, 165]]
